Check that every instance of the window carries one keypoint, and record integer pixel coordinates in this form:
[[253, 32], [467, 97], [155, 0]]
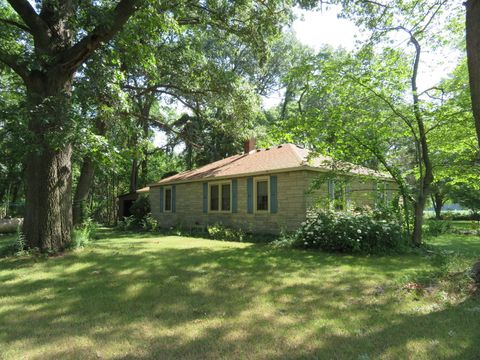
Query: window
[[261, 194], [214, 197], [220, 196], [225, 197], [167, 199]]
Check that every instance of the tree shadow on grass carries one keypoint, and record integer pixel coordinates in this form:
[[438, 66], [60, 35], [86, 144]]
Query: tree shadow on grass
[[138, 300]]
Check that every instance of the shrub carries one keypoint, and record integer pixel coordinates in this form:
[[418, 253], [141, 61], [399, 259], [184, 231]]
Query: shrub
[[437, 227], [348, 232], [140, 208], [149, 223], [20, 242], [83, 235], [220, 232]]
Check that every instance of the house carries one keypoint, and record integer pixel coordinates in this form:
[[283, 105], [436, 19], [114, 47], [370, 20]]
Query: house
[[264, 190]]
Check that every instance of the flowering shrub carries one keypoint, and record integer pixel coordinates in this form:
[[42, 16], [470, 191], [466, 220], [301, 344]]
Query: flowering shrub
[[348, 232]]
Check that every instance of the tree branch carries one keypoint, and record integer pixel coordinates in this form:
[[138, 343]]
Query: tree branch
[[16, 24], [38, 28], [15, 64], [73, 57]]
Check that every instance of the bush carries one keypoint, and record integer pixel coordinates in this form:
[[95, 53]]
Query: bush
[[149, 223], [437, 227], [83, 235], [348, 232], [220, 232], [140, 208], [20, 242]]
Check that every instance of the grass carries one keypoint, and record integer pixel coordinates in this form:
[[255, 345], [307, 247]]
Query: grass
[[141, 296]]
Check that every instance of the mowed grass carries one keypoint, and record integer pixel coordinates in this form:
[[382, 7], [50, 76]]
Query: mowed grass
[[167, 297]]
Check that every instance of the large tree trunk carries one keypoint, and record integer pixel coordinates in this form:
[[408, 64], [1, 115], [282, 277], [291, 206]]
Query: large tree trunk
[[473, 57], [418, 209], [82, 190], [48, 211]]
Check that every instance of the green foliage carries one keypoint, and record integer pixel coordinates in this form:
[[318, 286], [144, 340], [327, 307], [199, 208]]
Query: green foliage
[[140, 208], [436, 228], [348, 232], [467, 195], [149, 223], [128, 223], [20, 242], [221, 232], [83, 235]]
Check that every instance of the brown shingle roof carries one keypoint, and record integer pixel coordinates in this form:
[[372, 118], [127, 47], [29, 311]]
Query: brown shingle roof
[[282, 157]]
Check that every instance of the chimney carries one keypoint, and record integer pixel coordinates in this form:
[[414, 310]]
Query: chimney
[[249, 145]]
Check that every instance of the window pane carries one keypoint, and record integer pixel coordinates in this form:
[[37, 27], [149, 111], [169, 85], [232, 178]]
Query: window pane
[[214, 198], [226, 197], [168, 199], [262, 195]]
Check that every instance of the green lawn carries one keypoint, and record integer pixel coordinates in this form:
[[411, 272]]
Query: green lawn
[[167, 297]]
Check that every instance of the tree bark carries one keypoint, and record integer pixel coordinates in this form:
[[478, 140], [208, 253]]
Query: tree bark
[[472, 26], [424, 163], [437, 202], [419, 206], [82, 190], [48, 208]]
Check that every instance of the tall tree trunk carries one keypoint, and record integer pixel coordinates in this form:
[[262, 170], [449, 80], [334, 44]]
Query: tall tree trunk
[[82, 190], [437, 202], [134, 175], [472, 25], [425, 165], [48, 210], [419, 206]]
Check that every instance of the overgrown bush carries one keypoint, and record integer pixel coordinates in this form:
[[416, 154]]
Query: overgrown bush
[[140, 208], [83, 235], [348, 232], [220, 232], [149, 223], [437, 227]]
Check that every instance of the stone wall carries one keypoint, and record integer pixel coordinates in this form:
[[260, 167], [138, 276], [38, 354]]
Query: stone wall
[[189, 206], [294, 197]]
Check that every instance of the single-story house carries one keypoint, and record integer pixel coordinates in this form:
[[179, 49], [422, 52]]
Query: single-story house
[[264, 190]]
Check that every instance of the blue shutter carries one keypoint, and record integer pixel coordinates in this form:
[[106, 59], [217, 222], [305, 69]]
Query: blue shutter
[[250, 195], [174, 198], [205, 197], [161, 199], [234, 195], [273, 194]]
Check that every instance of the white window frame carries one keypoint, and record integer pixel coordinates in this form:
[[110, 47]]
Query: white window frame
[[255, 181], [165, 199], [219, 183]]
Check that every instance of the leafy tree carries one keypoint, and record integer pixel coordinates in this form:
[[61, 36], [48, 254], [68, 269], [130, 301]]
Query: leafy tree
[[46, 43], [467, 195]]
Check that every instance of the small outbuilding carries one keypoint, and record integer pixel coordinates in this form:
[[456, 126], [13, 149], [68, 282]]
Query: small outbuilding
[[125, 201]]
